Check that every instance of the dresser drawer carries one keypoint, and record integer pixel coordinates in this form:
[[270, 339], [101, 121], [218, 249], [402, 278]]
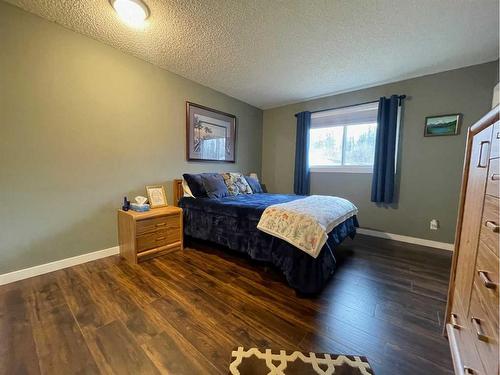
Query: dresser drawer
[[463, 350], [156, 223], [495, 141], [486, 281], [484, 329], [461, 339], [490, 224], [493, 183]]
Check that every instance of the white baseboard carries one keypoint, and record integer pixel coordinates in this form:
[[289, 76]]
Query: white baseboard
[[407, 239], [26, 273]]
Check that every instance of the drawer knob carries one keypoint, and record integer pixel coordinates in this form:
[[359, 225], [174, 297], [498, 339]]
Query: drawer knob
[[453, 321], [495, 177], [486, 280], [492, 226], [468, 371], [479, 330]]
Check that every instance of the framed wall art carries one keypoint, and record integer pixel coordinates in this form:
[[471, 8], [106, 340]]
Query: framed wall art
[[442, 125], [210, 134]]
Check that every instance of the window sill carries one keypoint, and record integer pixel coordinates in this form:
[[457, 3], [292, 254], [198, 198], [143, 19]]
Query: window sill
[[342, 169]]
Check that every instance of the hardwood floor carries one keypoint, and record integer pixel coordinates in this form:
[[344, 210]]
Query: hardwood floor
[[186, 311]]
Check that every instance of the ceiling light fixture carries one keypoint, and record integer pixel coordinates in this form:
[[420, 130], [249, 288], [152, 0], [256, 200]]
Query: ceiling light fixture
[[132, 12]]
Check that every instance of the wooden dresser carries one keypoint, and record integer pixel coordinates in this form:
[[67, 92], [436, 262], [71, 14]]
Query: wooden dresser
[[472, 310], [143, 235]]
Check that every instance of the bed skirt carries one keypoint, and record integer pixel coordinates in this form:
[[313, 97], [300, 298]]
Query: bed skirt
[[304, 273]]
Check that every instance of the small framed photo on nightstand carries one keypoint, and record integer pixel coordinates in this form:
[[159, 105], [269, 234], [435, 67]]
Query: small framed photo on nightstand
[[156, 196]]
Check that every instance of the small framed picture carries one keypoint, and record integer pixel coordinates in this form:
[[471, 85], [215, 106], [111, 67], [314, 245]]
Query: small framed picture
[[442, 125], [156, 196]]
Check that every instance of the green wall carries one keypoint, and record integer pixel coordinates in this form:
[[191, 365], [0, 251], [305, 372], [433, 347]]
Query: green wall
[[430, 168], [83, 124]]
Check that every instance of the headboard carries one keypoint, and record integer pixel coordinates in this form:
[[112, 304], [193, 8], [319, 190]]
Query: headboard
[[178, 191]]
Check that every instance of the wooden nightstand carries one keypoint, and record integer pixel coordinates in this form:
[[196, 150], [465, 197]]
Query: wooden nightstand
[[148, 234]]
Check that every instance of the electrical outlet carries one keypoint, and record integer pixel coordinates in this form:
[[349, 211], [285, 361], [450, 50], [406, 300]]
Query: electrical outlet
[[434, 224]]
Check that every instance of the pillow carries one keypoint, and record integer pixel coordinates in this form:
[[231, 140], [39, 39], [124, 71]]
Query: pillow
[[254, 184], [195, 184], [186, 190], [236, 184], [215, 186]]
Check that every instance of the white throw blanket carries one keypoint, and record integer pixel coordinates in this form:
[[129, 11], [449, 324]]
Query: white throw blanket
[[305, 223]]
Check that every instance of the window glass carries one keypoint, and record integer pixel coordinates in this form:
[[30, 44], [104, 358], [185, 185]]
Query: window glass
[[344, 138], [359, 144], [325, 147]]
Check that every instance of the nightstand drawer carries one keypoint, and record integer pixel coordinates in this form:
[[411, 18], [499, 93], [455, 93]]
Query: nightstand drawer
[[151, 240], [157, 239], [144, 235], [157, 223]]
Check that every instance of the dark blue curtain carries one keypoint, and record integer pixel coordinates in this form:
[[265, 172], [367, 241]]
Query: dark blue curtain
[[301, 178], [385, 150]]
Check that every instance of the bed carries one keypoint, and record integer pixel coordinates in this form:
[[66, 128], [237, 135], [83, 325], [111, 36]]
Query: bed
[[232, 221]]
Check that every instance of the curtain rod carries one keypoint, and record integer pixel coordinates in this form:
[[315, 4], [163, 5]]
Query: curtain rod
[[400, 97]]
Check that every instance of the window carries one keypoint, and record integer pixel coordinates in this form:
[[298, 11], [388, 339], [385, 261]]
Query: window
[[343, 140]]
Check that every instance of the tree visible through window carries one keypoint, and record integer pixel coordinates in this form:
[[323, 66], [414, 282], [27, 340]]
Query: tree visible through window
[[333, 144]]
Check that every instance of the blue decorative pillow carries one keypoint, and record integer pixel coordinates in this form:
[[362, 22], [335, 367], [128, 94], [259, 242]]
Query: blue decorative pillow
[[214, 186], [195, 183], [254, 184]]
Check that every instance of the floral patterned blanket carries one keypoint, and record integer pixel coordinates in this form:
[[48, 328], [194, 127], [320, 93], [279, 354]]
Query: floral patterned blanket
[[305, 223]]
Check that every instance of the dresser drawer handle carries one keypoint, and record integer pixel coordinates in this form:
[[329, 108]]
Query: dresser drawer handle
[[479, 331], [486, 280], [495, 177], [498, 135], [494, 227], [161, 224], [468, 371], [479, 162], [160, 238], [453, 321]]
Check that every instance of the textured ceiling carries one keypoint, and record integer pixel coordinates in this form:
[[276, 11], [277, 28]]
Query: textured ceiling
[[268, 53]]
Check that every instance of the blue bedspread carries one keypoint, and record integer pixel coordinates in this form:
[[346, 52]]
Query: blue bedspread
[[232, 222]]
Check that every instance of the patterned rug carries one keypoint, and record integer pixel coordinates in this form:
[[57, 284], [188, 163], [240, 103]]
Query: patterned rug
[[255, 362]]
